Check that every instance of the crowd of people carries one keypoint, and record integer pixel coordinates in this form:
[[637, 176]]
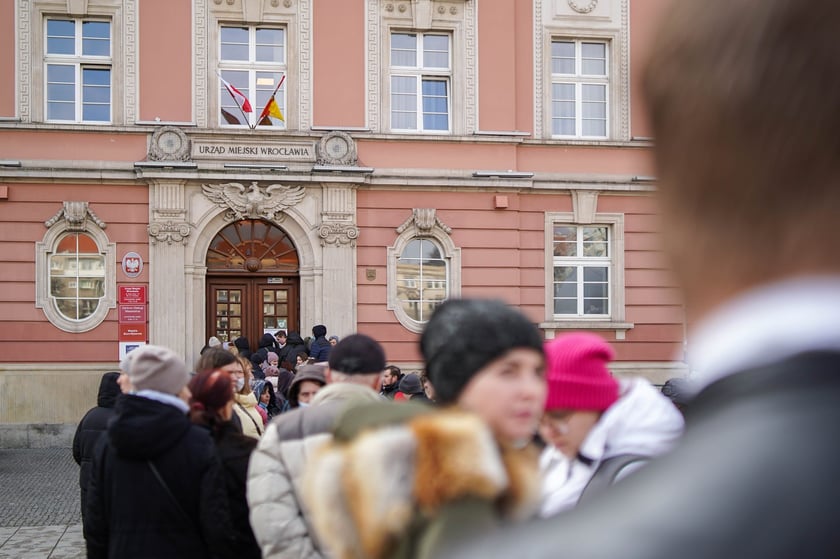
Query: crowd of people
[[509, 445]]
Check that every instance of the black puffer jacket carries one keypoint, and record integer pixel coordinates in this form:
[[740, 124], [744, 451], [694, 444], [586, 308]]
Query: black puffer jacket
[[129, 513], [91, 426], [234, 450]]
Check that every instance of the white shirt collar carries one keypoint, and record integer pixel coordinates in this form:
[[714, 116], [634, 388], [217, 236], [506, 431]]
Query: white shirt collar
[[766, 325]]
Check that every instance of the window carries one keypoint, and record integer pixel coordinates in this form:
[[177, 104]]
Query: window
[[252, 60], [77, 276], [579, 89], [420, 82], [421, 279], [581, 270], [424, 268], [75, 270], [78, 70]]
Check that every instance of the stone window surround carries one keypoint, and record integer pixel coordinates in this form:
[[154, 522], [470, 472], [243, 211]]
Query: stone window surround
[[585, 214], [462, 31], [407, 232], [43, 301], [32, 65], [298, 66]]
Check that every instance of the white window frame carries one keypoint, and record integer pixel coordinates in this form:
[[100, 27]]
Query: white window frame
[[79, 62], [421, 74], [578, 80], [253, 67], [46, 247], [431, 229], [615, 319], [580, 263]]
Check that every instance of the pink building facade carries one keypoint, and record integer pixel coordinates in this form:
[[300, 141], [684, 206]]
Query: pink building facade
[[427, 149]]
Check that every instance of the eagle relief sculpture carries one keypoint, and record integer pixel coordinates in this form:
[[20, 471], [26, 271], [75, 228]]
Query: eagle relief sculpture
[[253, 202]]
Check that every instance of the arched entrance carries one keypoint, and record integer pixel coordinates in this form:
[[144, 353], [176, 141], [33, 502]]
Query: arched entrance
[[252, 282]]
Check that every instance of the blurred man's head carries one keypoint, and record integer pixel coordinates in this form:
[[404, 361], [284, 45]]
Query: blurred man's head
[[743, 100], [356, 358]]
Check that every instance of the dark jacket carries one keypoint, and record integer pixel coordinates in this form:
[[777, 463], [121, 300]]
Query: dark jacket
[[129, 513], [320, 349], [755, 477], [91, 426], [234, 450], [243, 346], [294, 346]]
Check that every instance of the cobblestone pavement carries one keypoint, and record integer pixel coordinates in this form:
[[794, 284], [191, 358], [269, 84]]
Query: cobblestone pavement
[[40, 516]]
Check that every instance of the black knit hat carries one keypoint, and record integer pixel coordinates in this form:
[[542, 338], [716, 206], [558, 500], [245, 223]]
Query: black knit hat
[[464, 335], [357, 354], [411, 384]]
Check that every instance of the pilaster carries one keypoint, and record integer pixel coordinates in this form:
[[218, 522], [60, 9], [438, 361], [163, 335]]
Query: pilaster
[[168, 234], [338, 233]]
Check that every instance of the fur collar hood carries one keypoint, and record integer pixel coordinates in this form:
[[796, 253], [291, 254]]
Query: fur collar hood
[[366, 493]]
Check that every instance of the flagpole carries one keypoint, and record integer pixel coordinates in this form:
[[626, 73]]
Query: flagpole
[[262, 114], [235, 103]]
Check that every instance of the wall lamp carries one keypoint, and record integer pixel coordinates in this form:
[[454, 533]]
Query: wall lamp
[[9, 163], [643, 178], [503, 174]]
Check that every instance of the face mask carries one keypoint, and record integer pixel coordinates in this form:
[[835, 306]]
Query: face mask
[[240, 383], [304, 404]]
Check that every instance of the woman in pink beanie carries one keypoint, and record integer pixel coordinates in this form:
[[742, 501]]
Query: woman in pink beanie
[[594, 421]]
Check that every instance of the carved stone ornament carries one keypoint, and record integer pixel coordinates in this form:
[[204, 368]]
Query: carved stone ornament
[[253, 202], [169, 143], [583, 7], [337, 148], [169, 232], [424, 219], [338, 234], [75, 214]]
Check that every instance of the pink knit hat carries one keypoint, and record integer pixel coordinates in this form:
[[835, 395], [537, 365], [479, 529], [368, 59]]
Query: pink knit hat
[[577, 374]]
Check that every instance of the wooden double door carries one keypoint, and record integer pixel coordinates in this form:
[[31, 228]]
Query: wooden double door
[[251, 307]]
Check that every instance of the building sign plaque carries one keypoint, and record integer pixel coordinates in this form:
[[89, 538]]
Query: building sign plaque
[[132, 332], [132, 294], [132, 313], [254, 150]]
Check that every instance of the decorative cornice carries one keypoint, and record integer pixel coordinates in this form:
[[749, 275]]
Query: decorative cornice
[[338, 234], [253, 201], [424, 220], [75, 214], [169, 232]]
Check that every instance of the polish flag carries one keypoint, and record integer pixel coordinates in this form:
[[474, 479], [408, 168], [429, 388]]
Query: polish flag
[[238, 97]]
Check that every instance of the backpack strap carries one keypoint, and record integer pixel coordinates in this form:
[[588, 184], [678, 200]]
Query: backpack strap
[[607, 473]]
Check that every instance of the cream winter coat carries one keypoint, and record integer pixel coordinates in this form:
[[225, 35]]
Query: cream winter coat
[[642, 422], [245, 408], [279, 518]]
